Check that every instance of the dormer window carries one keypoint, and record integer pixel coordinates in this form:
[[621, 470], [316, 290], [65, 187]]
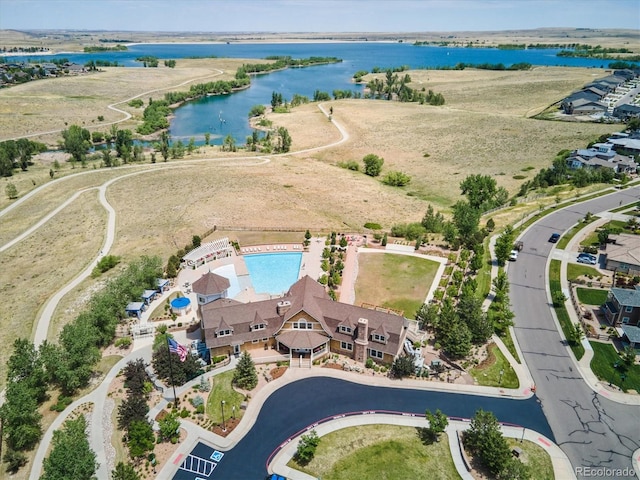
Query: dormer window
[[224, 333], [259, 326], [378, 338], [345, 329]]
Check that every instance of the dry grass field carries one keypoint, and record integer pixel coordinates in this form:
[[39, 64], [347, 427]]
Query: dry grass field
[[483, 128], [52, 104]]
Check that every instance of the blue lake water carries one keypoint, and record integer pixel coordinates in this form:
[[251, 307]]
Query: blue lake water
[[273, 273], [227, 114]]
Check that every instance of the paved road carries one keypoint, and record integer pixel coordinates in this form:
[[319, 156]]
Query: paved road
[[297, 405], [592, 430]]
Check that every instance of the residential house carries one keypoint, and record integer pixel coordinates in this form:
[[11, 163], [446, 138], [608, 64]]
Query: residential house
[[304, 324], [626, 112], [210, 287], [622, 310], [601, 155], [623, 254]]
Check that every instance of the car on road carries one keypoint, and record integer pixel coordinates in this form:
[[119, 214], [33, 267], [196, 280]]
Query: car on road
[[587, 258], [513, 256], [554, 237]]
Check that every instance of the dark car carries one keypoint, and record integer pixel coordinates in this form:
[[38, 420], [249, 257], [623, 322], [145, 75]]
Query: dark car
[[554, 237]]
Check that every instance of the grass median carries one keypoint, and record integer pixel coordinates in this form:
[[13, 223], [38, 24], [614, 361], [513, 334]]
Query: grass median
[[561, 311]]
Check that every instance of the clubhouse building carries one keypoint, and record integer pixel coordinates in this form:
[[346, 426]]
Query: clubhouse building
[[305, 324]]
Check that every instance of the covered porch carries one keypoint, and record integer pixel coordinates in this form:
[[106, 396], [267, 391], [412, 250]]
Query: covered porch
[[303, 347]]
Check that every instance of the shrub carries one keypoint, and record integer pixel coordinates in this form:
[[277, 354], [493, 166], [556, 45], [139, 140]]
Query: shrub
[[184, 413], [373, 226], [369, 363], [124, 342], [350, 165], [396, 179], [197, 401]]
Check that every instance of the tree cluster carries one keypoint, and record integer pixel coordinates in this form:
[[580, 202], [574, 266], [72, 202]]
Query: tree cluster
[[67, 364], [485, 441], [17, 154], [397, 87], [71, 456], [178, 373], [332, 263], [132, 412]]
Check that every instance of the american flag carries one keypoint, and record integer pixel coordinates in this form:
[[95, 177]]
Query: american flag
[[175, 347]]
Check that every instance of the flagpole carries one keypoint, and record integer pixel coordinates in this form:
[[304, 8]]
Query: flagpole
[[175, 397]]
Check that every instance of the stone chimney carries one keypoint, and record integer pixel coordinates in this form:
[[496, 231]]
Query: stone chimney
[[362, 340]]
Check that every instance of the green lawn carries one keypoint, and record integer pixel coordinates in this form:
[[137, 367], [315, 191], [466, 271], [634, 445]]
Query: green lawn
[[394, 281], [381, 452], [592, 296], [488, 373], [602, 365], [562, 243], [575, 270], [561, 311], [507, 339], [222, 390], [535, 457]]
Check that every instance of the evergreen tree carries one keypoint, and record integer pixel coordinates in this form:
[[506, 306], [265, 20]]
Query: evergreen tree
[[71, 455], [484, 439], [124, 471], [245, 375]]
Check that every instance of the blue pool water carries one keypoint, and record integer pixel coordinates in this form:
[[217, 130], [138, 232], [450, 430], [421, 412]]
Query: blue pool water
[[180, 302], [273, 273]]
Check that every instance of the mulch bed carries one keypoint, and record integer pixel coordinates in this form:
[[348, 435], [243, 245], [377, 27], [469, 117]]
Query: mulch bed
[[277, 372], [230, 423], [335, 366]]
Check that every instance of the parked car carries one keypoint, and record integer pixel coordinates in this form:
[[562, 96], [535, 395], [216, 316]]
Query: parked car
[[513, 256], [587, 258], [554, 237]]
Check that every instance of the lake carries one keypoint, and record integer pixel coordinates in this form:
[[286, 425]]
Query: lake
[[227, 114]]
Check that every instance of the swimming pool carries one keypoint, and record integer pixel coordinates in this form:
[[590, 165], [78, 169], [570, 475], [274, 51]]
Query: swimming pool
[[273, 273]]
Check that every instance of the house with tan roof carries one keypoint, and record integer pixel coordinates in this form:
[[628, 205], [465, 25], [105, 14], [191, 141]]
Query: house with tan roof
[[623, 254], [210, 287], [305, 324]]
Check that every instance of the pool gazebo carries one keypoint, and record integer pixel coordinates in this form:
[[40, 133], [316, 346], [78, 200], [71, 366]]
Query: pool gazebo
[[207, 252]]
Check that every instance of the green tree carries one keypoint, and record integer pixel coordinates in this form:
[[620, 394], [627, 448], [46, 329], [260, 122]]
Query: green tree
[[207, 138], [456, 341], [25, 366], [164, 145], [603, 236], [307, 447], [284, 140], [124, 471], [469, 310], [14, 459], [196, 241], [482, 192], [437, 424], [427, 315], [245, 375], [182, 371], [484, 439], [384, 240], [576, 333], [76, 142], [20, 417], [466, 219], [628, 355], [372, 164], [432, 221], [11, 191], [504, 244], [141, 439], [71, 455], [229, 143], [403, 366], [501, 285]]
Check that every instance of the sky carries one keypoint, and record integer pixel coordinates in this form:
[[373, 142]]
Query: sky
[[317, 15]]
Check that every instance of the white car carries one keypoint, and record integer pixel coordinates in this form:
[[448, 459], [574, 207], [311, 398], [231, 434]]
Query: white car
[[513, 256]]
